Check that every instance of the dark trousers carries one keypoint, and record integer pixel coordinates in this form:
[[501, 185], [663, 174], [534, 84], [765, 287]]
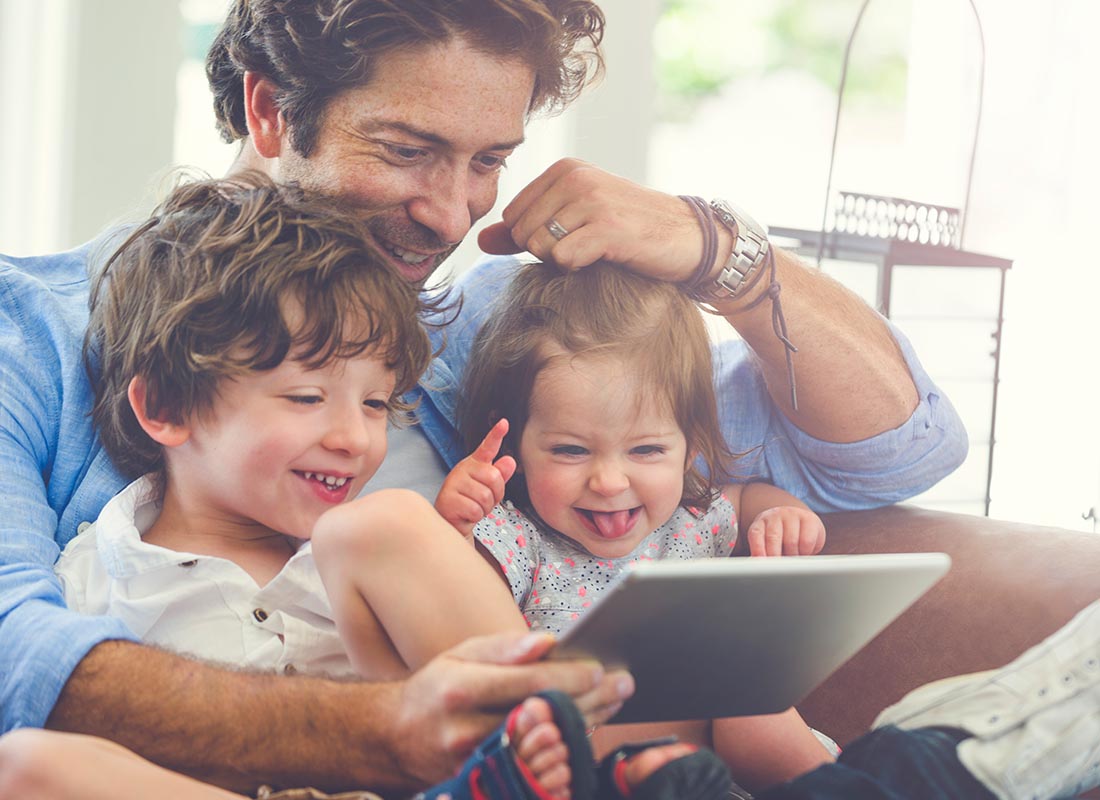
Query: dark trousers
[[890, 764]]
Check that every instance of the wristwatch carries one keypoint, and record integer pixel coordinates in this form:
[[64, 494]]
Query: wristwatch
[[750, 251]]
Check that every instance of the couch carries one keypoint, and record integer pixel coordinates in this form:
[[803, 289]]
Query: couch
[[1010, 586]]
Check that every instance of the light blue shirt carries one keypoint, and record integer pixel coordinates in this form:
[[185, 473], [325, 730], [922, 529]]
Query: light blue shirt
[[55, 475]]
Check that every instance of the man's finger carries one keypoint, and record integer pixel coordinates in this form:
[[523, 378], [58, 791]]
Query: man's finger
[[490, 445], [496, 240]]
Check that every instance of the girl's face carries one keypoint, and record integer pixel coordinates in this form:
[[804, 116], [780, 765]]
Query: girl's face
[[603, 458]]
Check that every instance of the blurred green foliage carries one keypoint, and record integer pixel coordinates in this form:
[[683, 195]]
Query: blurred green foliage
[[702, 45]]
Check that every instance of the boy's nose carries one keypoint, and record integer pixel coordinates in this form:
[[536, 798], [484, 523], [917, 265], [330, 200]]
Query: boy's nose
[[348, 435]]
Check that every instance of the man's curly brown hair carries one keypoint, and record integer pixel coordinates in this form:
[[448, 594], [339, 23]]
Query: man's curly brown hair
[[197, 294], [314, 49]]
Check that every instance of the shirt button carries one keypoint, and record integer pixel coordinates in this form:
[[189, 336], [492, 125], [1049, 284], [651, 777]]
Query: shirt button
[[83, 526], [259, 614], [290, 669]]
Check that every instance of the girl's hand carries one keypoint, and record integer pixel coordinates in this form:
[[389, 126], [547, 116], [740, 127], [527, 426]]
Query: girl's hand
[[476, 484], [786, 531]]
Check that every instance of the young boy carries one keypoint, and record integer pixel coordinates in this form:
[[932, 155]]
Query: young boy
[[251, 347]]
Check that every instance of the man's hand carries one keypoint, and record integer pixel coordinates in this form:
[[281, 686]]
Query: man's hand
[[605, 217], [452, 703], [786, 531], [476, 484]]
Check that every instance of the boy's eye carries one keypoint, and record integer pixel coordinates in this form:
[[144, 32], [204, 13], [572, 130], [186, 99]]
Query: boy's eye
[[568, 450], [377, 405], [304, 399]]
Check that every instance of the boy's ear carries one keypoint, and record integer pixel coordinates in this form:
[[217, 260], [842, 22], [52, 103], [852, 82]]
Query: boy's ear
[[266, 124], [161, 431]]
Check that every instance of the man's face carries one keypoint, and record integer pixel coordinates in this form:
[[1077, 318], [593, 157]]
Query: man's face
[[424, 143]]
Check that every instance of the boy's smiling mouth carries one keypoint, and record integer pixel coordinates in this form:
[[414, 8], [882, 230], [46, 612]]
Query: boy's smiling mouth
[[609, 524]]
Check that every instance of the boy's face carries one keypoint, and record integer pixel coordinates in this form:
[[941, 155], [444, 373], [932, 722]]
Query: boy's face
[[423, 143], [279, 448], [604, 462]]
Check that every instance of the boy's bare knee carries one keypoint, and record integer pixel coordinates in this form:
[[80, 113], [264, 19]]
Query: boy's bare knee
[[29, 761], [376, 521]]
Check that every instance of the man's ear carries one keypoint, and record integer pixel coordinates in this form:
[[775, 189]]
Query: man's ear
[[265, 122], [161, 431]]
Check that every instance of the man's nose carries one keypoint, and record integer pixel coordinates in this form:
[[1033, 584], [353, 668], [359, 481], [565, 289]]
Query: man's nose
[[444, 205]]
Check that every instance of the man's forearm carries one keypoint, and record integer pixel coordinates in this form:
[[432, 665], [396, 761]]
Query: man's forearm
[[235, 729], [851, 377]]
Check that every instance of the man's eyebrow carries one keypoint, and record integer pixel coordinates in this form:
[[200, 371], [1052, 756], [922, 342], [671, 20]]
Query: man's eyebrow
[[393, 125]]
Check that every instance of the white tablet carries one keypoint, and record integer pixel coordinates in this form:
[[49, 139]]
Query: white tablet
[[736, 636]]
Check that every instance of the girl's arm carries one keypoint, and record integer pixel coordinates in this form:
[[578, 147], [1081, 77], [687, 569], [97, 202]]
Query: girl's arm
[[773, 522]]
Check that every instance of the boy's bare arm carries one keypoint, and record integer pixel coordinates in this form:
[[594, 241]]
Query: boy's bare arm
[[239, 729]]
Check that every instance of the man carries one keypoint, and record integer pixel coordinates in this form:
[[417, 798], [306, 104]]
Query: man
[[411, 108]]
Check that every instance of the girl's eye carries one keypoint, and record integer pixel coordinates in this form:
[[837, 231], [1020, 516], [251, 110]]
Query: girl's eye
[[568, 450], [649, 450]]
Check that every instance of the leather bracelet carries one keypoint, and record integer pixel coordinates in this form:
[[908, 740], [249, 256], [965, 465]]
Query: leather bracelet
[[707, 224]]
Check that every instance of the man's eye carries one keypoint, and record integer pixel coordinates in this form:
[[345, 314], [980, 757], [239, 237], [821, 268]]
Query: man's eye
[[487, 162], [405, 153]]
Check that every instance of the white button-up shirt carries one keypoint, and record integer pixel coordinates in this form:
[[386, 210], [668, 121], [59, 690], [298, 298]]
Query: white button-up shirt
[[202, 606]]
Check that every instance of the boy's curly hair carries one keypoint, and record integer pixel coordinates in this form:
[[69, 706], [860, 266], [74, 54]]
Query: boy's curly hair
[[197, 294]]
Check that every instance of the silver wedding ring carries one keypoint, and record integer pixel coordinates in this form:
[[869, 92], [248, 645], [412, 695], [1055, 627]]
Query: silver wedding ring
[[556, 230]]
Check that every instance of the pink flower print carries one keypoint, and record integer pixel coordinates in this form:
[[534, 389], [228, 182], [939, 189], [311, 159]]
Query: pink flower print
[[499, 522], [586, 604], [582, 591], [698, 539], [679, 535], [509, 555], [570, 562], [574, 615], [714, 530], [521, 540]]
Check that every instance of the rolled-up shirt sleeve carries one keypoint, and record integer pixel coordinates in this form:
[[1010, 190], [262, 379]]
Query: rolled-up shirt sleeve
[[887, 468], [45, 488]]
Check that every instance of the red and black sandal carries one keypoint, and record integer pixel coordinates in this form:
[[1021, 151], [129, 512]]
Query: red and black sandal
[[700, 775], [495, 772]]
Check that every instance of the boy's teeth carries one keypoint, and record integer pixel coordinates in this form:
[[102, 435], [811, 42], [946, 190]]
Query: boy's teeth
[[330, 480]]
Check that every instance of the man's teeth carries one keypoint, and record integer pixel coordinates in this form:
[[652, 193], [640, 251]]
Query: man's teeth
[[407, 256], [330, 480]]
